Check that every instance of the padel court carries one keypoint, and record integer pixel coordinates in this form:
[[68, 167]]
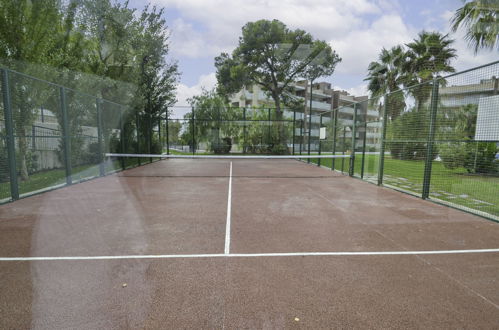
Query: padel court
[[242, 243]]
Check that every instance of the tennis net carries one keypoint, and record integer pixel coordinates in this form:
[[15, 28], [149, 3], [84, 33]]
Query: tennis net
[[257, 166]]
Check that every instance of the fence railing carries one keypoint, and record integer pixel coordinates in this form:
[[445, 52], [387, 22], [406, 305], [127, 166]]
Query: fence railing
[[51, 135], [437, 140]]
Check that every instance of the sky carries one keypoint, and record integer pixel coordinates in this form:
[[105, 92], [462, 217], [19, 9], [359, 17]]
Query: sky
[[356, 29]]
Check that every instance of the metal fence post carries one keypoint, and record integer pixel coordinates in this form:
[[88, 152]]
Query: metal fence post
[[137, 123], [102, 170], [244, 130], [301, 131], [364, 148], [320, 150], [354, 136], [10, 140], [431, 139], [309, 129], [294, 128], [335, 133], [167, 132], [382, 142], [66, 137], [122, 138], [193, 129], [269, 132]]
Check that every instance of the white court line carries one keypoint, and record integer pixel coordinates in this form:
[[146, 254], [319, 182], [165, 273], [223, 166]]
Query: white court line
[[251, 255], [229, 202]]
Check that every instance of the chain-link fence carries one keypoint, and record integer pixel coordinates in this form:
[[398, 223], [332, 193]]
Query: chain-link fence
[[52, 136], [438, 140]]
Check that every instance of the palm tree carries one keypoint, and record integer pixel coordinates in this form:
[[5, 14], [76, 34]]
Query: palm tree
[[480, 19], [428, 56], [386, 76]]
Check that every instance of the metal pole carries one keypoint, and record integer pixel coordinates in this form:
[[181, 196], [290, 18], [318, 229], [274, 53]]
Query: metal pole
[[10, 139], [343, 148], [335, 135], [66, 138], [294, 128], [320, 126], [193, 131], [431, 138], [122, 138], [354, 136], [102, 170], [149, 134], [244, 130], [137, 123], [167, 129], [310, 120], [364, 147], [382, 142], [33, 138], [269, 134], [301, 130]]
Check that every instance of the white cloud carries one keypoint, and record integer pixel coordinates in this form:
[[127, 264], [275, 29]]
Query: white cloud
[[361, 46], [217, 24], [185, 92]]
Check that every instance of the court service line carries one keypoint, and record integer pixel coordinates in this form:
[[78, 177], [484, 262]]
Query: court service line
[[229, 202], [251, 255]]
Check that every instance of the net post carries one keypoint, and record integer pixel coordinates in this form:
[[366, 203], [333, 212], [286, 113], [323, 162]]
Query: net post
[[66, 137], [320, 150], [382, 142], [343, 149], [193, 131], [167, 133], [10, 140], [137, 123], [269, 139], [354, 136], [159, 132], [335, 135], [98, 103], [310, 119], [122, 137], [431, 139], [301, 131], [294, 128], [244, 130], [364, 147], [149, 134]]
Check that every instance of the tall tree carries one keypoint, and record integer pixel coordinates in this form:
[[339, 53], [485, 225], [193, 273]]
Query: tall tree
[[386, 76], [428, 56], [273, 56], [28, 32], [480, 18]]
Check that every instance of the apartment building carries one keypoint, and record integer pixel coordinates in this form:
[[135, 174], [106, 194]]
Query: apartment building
[[324, 100]]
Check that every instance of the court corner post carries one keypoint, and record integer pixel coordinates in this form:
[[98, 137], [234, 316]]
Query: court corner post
[[66, 136], [98, 104], [382, 141], [431, 140], [354, 135], [9, 138]]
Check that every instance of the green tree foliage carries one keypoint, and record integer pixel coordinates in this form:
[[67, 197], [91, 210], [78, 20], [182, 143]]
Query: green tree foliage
[[387, 76], [101, 47], [428, 56], [271, 55], [480, 18], [474, 156]]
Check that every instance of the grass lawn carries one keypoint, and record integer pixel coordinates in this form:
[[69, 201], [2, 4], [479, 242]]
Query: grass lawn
[[457, 186]]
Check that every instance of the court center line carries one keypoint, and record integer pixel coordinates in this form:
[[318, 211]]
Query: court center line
[[229, 202], [251, 255]]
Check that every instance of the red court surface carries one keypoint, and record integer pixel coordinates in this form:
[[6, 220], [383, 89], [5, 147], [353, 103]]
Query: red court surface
[[306, 248]]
